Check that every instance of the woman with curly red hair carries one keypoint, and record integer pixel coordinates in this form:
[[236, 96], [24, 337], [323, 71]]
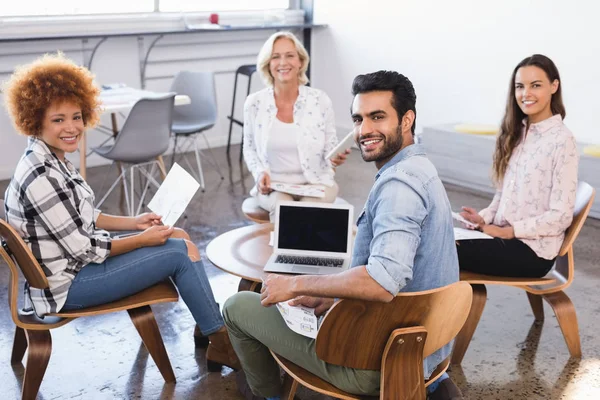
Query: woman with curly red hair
[[53, 101]]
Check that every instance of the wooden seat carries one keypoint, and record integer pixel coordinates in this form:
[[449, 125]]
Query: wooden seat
[[256, 213], [394, 338], [550, 288], [33, 333]]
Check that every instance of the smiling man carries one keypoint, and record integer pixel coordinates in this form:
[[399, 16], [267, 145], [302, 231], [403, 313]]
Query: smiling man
[[404, 242]]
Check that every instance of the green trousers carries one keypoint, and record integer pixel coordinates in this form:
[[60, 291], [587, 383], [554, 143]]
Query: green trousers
[[254, 329]]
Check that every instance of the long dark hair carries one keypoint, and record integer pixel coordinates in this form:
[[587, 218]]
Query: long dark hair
[[511, 128]]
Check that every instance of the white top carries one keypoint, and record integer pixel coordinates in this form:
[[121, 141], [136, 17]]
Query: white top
[[313, 114], [282, 152]]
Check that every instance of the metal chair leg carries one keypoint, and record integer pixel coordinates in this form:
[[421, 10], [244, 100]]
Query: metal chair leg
[[231, 115]]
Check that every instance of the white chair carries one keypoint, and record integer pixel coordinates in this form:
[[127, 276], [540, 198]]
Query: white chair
[[145, 136]]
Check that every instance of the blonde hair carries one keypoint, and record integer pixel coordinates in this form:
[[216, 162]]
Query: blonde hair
[[50, 79], [264, 57]]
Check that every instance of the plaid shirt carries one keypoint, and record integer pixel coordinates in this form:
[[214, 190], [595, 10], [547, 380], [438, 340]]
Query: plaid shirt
[[52, 208]]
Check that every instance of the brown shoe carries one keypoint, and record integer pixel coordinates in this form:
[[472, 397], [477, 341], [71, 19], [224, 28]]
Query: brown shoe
[[221, 353], [200, 341], [446, 390]]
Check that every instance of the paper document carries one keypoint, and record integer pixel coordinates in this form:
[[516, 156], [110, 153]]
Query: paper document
[[173, 196], [300, 319], [468, 234], [460, 218], [299, 190]]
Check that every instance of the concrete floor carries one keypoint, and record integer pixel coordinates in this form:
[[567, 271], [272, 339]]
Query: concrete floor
[[510, 357]]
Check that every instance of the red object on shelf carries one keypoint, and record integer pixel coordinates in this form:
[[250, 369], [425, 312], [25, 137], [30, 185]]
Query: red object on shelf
[[214, 18]]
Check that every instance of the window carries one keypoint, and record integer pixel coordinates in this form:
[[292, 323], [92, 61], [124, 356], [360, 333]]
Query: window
[[223, 5], [74, 7], [80, 7]]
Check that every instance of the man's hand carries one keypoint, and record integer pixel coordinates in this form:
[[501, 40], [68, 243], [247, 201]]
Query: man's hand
[[471, 215], [264, 183], [276, 288], [320, 304], [340, 158], [506, 232], [147, 220]]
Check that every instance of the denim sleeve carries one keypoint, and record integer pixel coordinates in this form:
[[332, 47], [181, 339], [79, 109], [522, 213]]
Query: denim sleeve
[[398, 212]]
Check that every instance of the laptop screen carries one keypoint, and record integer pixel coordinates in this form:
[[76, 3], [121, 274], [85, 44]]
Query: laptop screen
[[313, 229]]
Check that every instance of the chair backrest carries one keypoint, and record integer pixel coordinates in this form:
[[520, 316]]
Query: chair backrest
[[200, 87], [564, 268], [355, 333], [147, 130]]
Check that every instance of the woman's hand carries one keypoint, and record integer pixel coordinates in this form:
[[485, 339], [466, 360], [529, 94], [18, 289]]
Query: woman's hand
[[471, 215], [264, 183], [147, 220], [156, 235], [340, 158], [507, 232]]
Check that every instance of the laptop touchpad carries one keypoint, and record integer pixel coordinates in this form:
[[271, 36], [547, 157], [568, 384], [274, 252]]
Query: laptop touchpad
[[304, 270]]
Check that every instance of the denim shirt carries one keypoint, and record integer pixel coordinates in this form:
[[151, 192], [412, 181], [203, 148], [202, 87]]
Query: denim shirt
[[405, 234]]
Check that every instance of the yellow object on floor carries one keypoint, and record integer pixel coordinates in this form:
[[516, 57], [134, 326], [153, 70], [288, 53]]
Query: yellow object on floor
[[593, 150], [477, 129]]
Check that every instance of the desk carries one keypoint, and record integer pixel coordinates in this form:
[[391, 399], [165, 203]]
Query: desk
[[117, 100], [243, 252]]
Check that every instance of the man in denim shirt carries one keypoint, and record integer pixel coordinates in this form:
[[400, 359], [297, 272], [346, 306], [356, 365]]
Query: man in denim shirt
[[405, 242]]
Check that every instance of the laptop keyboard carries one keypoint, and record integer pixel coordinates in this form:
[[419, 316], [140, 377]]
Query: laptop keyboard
[[316, 261]]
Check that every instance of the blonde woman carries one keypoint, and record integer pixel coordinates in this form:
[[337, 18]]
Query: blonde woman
[[288, 127]]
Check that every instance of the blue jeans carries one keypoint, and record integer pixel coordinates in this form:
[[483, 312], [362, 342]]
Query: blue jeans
[[126, 274]]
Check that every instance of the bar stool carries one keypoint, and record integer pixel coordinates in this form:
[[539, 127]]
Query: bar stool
[[247, 70]]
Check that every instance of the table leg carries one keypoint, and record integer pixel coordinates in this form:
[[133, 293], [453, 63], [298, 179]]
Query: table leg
[[82, 155], [161, 167], [251, 286]]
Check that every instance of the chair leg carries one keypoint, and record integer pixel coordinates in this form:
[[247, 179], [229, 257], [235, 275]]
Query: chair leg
[[466, 333], [198, 163], [567, 319], [40, 348], [290, 386], [143, 319], [19, 346], [537, 305]]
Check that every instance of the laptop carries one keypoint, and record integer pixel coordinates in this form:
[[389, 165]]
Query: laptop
[[311, 238]]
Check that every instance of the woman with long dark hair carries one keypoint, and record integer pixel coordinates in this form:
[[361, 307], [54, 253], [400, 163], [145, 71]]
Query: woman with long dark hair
[[535, 172]]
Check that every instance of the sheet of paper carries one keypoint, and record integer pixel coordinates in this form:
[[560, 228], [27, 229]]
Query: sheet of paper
[[173, 196], [467, 234], [299, 190], [460, 218], [301, 320]]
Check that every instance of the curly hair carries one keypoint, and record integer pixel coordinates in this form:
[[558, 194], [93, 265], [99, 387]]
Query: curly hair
[[50, 79]]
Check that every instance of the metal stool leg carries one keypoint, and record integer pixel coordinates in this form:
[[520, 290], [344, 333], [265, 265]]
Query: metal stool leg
[[242, 143], [231, 115]]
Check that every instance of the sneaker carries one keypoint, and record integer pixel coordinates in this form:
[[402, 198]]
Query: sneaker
[[446, 390]]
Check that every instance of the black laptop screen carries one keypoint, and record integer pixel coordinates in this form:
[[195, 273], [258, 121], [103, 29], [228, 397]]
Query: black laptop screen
[[313, 228]]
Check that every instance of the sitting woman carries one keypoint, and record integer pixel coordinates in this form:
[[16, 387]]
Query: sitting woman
[[535, 169], [53, 101], [289, 128]]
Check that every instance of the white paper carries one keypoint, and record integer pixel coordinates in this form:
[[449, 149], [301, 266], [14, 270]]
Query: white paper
[[299, 190], [173, 196], [271, 238], [300, 319], [460, 218], [468, 234]]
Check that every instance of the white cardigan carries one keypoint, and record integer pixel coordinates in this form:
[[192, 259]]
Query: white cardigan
[[313, 114]]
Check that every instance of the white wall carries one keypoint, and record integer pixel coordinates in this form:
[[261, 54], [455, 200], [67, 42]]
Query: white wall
[[460, 54]]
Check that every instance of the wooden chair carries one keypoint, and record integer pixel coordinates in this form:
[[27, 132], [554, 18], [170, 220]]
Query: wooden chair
[[255, 213], [393, 338], [33, 333], [550, 288]]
